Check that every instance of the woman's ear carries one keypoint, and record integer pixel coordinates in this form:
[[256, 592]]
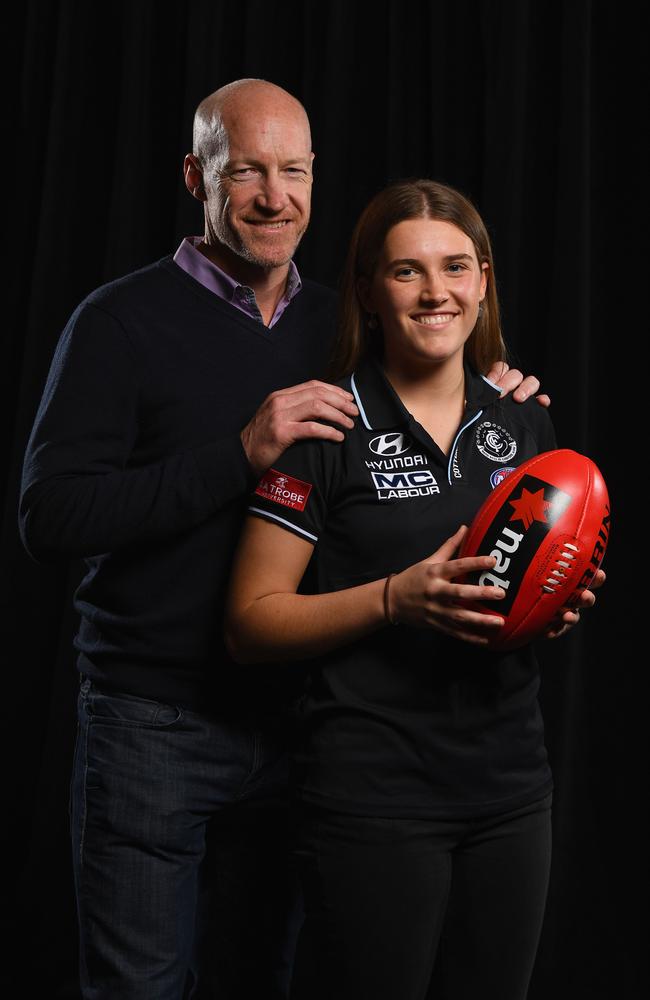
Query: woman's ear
[[485, 274]]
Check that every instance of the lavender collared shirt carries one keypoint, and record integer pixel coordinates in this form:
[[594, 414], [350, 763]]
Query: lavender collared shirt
[[215, 280]]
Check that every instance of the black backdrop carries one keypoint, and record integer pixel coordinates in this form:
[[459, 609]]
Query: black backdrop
[[523, 106]]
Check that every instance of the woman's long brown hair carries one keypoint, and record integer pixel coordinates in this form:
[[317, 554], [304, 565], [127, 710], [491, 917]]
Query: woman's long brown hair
[[412, 199]]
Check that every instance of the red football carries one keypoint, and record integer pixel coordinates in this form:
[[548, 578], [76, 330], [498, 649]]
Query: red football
[[547, 524]]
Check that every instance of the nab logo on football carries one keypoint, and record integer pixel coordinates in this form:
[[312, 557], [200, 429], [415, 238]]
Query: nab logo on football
[[390, 444], [546, 528], [517, 532]]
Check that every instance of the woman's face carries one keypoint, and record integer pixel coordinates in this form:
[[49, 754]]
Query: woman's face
[[426, 292]]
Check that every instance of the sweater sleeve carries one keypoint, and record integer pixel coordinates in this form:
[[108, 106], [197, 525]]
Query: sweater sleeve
[[81, 492]]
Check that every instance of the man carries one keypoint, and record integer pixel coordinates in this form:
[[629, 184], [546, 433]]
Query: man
[[165, 401]]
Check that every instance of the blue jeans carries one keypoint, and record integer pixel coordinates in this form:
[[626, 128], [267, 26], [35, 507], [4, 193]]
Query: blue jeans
[[181, 853]]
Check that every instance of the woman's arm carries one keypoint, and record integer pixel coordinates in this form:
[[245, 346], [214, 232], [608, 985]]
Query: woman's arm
[[267, 620]]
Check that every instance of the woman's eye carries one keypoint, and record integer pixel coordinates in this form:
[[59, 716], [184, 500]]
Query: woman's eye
[[405, 272]]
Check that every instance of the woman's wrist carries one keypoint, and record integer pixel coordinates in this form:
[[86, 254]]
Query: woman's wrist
[[389, 613]]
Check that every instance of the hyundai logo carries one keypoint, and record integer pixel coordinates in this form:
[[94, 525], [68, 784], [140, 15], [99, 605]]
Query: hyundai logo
[[390, 444]]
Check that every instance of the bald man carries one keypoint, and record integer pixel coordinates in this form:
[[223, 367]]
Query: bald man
[[166, 399]]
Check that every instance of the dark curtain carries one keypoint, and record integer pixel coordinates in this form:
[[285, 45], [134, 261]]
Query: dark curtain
[[532, 109]]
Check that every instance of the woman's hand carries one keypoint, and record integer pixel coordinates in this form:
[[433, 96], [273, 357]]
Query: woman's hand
[[565, 621], [425, 595]]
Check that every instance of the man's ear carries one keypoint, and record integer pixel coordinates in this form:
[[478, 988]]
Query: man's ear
[[193, 175]]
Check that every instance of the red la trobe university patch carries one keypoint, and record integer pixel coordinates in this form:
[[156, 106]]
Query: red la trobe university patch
[[283, 489]]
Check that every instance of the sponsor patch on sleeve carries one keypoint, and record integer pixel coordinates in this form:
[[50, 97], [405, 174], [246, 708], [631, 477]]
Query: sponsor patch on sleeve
[[285, 490]]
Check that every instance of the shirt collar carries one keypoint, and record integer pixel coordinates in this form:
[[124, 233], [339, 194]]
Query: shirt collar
[[380, 407], [212, 277]]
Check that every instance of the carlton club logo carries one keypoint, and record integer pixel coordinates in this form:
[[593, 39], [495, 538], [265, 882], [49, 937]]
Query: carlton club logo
[[285, 490], [495, 442], [389, 445]]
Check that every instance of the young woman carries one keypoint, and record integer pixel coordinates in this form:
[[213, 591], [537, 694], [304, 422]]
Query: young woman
[[421, 771]]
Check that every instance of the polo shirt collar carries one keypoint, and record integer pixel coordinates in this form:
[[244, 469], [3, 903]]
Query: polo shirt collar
[[380, 407]]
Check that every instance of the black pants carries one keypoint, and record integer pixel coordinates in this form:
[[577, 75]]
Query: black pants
[[408, 909]]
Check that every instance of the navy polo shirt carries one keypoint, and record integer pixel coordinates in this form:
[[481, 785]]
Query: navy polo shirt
[[409, 722]]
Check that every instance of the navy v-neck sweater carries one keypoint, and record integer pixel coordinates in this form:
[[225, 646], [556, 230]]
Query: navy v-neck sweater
[[135, 463]]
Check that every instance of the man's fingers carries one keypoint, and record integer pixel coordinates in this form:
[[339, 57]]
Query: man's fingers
[[512, 380], [509, 379], [318, 409], [498, 370], [278, 422], [312, 429], [314, 387], [529, 386]]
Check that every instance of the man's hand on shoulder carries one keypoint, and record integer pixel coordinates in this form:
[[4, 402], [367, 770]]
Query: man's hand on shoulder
[[295, 413], [512, 380]]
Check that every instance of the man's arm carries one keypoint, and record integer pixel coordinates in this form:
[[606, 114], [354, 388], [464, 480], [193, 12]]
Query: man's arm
[[81, 493], [82, 496]]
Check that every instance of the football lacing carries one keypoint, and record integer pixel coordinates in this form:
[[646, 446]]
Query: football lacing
[[558, 576]]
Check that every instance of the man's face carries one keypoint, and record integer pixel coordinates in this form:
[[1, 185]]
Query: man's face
[[259, 188]]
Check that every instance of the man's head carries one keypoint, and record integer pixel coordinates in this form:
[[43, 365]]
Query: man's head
[[251, 166]]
